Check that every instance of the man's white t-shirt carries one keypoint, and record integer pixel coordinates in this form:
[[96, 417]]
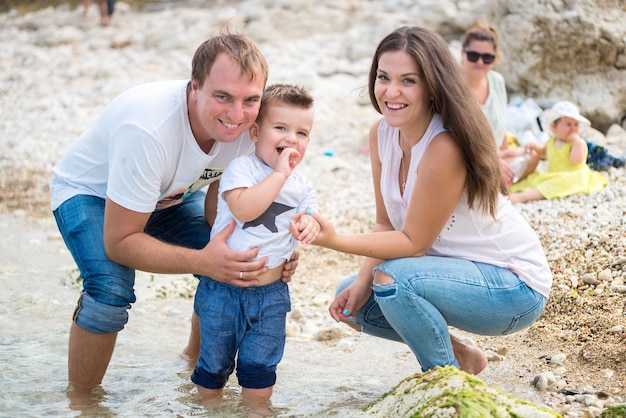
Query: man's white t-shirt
[[141, 152]]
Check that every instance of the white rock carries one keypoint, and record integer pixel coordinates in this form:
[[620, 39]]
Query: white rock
[[558, 358]]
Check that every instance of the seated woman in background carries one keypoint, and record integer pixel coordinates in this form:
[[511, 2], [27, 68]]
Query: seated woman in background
[[566, 152], [478, 56]]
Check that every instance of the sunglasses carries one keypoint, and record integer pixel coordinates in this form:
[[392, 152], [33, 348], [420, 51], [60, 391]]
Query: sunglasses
[[473, 56]]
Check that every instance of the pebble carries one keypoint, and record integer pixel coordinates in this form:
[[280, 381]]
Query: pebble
[[558, 358]]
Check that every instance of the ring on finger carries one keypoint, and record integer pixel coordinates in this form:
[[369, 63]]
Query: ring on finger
[[241, 275]]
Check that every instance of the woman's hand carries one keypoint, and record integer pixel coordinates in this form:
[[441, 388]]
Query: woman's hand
[[324, 234], [307, 228], [349, 301]]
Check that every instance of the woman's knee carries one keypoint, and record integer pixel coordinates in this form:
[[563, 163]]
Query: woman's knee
[[383, 278]]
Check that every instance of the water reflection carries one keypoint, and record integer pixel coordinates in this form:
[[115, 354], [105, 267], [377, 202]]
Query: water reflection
[[93, 403], [88, 401], [147, 375]]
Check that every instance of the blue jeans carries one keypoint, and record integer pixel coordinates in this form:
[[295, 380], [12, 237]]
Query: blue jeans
[[108, 286], [243, 322], [431, 293]]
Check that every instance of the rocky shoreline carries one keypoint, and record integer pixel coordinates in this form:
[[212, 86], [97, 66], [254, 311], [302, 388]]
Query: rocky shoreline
[[58, 70]]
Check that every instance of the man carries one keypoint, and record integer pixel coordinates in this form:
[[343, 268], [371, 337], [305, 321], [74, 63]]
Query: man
[[127, 195]]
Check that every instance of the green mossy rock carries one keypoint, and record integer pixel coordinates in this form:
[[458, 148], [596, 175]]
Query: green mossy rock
[[450, 392], [615, 412]]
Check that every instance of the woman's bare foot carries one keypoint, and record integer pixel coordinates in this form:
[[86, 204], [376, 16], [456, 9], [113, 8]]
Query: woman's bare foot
[[471, 358]]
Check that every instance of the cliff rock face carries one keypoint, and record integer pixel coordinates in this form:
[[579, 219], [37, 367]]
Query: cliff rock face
[[567, 50], [552, 49], [450, 392]]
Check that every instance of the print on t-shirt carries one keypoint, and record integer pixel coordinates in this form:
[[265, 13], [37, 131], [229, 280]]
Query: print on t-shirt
[[207, 177], [268, 218]]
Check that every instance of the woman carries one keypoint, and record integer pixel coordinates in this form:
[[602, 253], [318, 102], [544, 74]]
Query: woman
[[479, 53], [448, 248]]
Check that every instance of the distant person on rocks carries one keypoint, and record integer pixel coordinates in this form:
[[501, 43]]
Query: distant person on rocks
[[566, 152], [448, 248], [261, 192], [479, 54], [106, 7], [130, 194]]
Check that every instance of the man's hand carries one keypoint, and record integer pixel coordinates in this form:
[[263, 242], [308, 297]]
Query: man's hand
[[289, 268], [229, 266]]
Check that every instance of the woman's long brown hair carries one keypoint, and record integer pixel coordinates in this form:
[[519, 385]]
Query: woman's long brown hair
[[459, 110]]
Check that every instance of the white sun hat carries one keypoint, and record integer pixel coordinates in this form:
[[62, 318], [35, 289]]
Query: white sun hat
[[564, 109]]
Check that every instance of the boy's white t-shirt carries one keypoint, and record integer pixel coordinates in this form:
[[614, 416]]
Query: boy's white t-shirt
[[270, 231], [141, 152]]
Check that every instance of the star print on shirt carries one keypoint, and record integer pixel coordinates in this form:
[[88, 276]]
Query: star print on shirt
[[268, 218]]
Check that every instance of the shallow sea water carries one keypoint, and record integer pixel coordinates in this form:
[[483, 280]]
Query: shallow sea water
[[147, 376]]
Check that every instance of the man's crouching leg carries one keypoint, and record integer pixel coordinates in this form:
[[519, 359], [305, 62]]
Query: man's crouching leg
[[92, 340]]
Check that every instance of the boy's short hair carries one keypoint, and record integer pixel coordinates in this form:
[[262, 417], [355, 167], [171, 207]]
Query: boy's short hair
[[288, 94]]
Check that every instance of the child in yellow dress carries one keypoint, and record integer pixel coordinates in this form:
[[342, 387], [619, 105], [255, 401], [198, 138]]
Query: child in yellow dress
[[566, 152]]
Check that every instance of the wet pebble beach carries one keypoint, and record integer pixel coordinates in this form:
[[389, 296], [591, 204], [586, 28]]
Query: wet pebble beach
[[59, 69]]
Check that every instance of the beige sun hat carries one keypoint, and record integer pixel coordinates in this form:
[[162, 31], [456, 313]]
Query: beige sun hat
[[564, 109]]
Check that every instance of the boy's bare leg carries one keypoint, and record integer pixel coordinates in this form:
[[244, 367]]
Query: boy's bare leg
[[257, 402], [211, 398], [256, 394], [89, 356]]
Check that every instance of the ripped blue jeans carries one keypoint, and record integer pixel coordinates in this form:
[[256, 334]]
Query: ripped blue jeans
[[428, 294]]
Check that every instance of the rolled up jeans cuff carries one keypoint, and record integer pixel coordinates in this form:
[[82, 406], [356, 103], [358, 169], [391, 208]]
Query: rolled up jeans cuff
[[99, 318]]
